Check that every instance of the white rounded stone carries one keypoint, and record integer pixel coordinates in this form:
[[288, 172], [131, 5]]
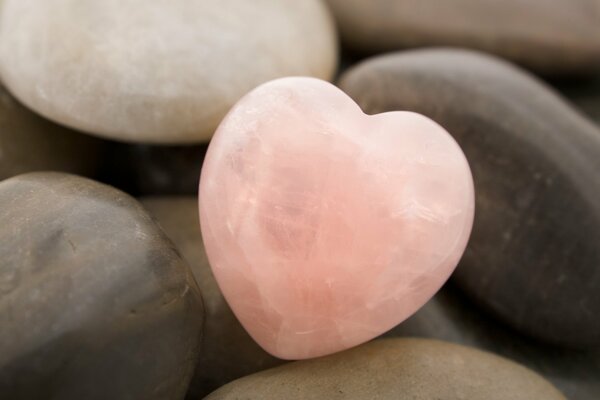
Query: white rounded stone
[[162, 71]]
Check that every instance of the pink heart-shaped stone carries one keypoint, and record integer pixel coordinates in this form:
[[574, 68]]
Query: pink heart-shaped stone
[[324, 226]]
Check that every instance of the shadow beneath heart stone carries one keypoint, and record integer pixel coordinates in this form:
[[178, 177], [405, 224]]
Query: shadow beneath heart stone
[[140, 169]]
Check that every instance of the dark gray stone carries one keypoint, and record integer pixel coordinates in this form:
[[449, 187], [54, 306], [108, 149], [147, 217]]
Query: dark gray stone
[[95, 302]]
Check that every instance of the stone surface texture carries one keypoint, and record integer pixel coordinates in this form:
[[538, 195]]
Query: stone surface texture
[[30, 143], [391, 369], [325, 227], [95, 302], [534, 255], [228, 352], [550, 36], [450, 316], [162, 71]]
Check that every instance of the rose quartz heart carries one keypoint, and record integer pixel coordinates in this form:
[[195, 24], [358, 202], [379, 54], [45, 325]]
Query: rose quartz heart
[[326, 227]]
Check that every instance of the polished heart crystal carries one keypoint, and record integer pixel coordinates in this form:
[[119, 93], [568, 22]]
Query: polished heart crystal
[[324, 226]]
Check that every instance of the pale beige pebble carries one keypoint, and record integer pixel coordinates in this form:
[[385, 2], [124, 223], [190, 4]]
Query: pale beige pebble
[[163, 71], [396, 369]]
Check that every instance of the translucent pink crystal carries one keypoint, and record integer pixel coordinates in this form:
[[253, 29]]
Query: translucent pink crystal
[[326, 227]]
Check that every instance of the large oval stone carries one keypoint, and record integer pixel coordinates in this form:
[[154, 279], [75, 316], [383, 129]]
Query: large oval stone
[[550, 36], [534, 257], [228, 352], [30, 143], [450, 316], [95, 302], [325, 227], [159, 71], [390, 369]]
